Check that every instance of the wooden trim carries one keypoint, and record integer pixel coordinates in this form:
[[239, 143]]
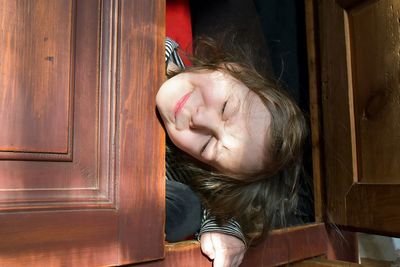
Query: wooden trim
[[142, 169], [289, 245], [281, 247], [315, 103], [382, 203], [347, 4], [342, 245], [321, 262]]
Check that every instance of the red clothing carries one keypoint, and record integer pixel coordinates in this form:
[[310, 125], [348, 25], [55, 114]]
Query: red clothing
[[179, 25]]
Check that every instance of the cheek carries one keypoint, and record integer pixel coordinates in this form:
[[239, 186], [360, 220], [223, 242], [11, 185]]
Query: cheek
[[188, 141], [213, 97], [212, 92], [184, 140], [170, 91]]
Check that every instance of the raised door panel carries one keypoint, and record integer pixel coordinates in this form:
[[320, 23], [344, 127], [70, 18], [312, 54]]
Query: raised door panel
[[81, 150], [35, 45], [56, 132], [360, 77]]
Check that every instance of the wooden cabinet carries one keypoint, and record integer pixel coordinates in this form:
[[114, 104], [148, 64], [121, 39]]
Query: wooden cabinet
[[360, 88], [82, 152], [354, 87]]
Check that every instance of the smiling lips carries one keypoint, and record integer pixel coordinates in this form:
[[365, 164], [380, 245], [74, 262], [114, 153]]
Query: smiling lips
[[181, 103]]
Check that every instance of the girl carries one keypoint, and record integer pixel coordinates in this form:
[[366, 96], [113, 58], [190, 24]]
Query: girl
[[242, 139]]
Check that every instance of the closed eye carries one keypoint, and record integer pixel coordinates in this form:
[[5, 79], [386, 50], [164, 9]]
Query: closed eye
[[205, 145], [223, 107]]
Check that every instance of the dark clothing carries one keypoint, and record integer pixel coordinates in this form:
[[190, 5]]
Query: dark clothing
[[183, 212]]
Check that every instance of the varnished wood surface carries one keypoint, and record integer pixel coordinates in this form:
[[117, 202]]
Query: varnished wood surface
[[289, 245], [374, 39], [375, 208], [337, 148], [103, 203], [358, 44], [315, 108], [34, 46], [281, 247], [58, 239], [320, 262], [141, 141], [85, 176], [342, 245], [185, 254]]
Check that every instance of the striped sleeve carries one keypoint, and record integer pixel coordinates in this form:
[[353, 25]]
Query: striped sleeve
[[171, 53], [209, 224]]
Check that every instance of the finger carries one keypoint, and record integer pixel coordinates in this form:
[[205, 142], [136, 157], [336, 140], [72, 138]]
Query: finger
[[237, 260], [234, 262], [207, 246], [222, 260], [240, 259]]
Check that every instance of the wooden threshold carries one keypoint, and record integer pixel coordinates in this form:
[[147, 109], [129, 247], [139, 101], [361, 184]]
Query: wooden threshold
[[281, 247], [321, 262]]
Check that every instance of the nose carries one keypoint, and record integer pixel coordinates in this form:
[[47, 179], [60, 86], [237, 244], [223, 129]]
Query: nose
[[207, 120]]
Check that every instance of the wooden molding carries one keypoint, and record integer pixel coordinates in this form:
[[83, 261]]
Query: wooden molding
[[280, 247]]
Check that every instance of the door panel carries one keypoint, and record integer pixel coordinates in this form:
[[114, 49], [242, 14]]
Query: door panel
[[81, 149], [374, 32], [359, 50], [35, 45], [41, 176]]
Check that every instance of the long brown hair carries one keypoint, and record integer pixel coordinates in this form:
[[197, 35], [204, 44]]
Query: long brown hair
[[265, 198]]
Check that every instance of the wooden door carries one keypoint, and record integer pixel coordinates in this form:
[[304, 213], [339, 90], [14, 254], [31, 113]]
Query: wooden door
[[360, 83], [81, 150]]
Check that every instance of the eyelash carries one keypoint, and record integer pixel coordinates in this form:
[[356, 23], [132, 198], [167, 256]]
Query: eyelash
[[209, 140], [205, 145], [224, 106]]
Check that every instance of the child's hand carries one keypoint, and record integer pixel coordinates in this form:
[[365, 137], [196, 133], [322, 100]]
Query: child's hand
[[225, 250]]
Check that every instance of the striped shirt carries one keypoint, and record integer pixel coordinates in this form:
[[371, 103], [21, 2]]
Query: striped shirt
[[178, 173]]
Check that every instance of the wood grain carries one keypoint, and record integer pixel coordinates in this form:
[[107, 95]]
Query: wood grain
[[375, 37], [86, 178], [337, 156], [375, 208], [321, 262], [342, 245], [105, 205], [359, 55], [36, 77], [289, 245], [58, 239], [141, 138], [281, 247], [315, 108]]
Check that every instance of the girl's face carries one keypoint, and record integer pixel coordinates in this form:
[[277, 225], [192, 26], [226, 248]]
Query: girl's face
[[217, 120]]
